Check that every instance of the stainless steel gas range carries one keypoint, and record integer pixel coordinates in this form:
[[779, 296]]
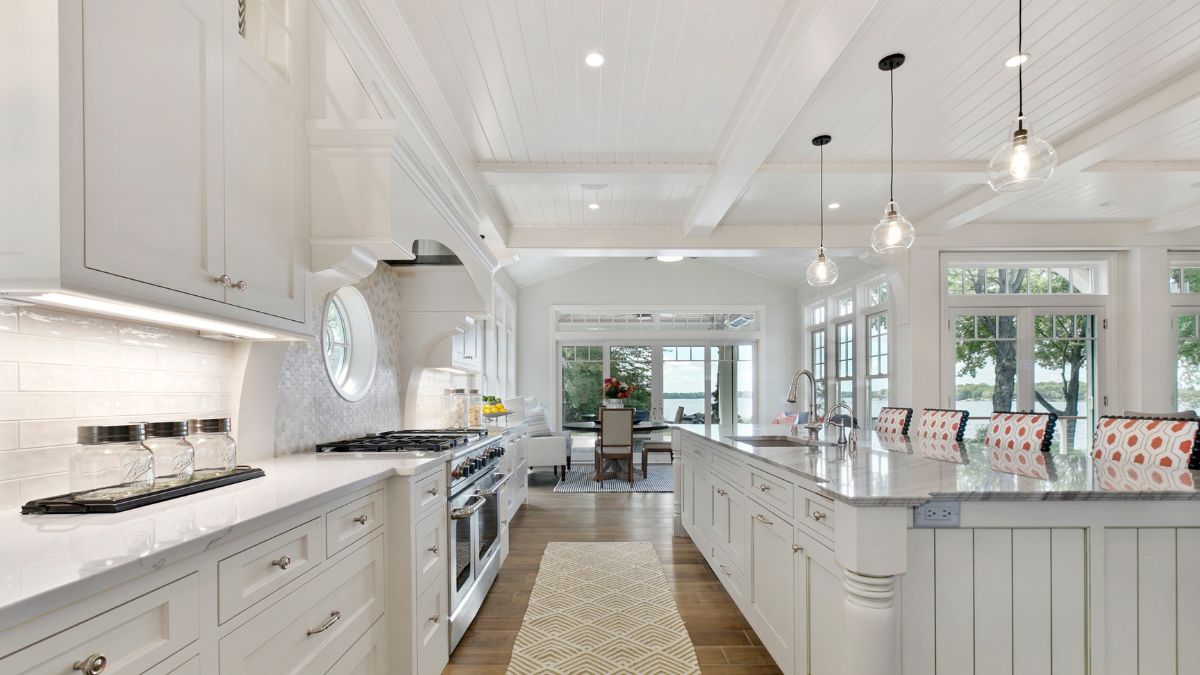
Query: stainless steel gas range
[[474, 510]]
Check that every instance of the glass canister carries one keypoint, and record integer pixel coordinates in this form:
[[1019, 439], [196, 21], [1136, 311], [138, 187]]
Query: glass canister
[[216, 451], [174, 457], [474, 409], [456, 409], [111, 462]]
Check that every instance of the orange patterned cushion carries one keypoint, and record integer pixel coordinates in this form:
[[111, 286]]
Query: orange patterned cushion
[[1020, 460], [1020, 431], [1144, 441], [942, 425], [893, 421]]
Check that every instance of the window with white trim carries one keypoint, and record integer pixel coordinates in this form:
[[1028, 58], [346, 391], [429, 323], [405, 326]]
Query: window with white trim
[[877, 364], [844, 376], [1184, 289]]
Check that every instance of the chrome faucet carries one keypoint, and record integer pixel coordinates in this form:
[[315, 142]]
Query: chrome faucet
[[794, 390], [843, 438]]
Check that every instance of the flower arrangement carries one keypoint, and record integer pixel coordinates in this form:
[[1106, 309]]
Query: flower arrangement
[[614, 388]]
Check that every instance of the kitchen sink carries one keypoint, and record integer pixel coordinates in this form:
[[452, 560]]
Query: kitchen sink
[[781, 442]]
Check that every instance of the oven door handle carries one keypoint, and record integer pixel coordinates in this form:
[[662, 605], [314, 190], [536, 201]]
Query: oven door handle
[[469, 509], [501, 479]]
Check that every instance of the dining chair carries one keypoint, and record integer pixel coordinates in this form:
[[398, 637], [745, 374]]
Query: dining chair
[[893, 421], [664, 445], [616, 439]]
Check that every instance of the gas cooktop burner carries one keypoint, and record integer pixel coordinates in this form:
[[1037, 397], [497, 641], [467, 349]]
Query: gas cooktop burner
[[415, 440]]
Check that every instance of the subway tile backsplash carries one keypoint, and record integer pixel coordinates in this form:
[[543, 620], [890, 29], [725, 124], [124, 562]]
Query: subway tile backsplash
[[59, 370]]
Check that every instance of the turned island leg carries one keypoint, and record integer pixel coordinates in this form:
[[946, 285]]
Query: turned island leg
[[870, 622]]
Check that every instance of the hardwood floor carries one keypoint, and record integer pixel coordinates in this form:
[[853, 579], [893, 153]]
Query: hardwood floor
[[725, 643]]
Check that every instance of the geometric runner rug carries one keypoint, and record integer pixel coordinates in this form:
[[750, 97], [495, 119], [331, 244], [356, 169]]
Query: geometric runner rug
[[602, 608], [661, 479]]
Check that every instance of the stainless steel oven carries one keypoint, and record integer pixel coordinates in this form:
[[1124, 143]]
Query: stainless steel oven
[[474, 532]]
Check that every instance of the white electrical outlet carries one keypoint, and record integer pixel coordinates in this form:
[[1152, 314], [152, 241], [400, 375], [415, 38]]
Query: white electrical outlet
[[937, 514]]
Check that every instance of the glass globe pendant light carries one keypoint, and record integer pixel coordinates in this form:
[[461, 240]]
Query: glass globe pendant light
[[822, 271], [1026, 161], [893, 233]]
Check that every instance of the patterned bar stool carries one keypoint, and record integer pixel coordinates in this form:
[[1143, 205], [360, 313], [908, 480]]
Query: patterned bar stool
[[893, 421], [1165, 443], [941, 424]]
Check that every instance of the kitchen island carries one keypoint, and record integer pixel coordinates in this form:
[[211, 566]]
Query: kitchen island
[[937, 557]]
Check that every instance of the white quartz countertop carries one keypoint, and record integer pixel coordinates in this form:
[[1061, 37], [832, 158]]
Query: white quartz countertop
[[47, 554], [897, 471]]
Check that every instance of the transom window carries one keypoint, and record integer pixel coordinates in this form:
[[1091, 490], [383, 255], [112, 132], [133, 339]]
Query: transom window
[[679, 321], [1185, 280], [1021, 280]]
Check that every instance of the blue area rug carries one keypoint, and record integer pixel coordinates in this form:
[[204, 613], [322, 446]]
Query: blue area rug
[[581, 480]]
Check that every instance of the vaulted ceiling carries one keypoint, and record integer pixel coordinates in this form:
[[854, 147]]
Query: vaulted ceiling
[[695, 134]]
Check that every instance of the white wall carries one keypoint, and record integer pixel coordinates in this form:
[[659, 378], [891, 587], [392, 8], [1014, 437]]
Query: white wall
[[632, 282], [60, 370]]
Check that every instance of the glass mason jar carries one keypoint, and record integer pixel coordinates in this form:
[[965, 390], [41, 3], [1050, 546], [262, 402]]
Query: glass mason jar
[[216, 451], [174, 457], [111, 462], [474, 405]]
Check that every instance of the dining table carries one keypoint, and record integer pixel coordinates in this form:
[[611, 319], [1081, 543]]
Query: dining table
[[641, 431]]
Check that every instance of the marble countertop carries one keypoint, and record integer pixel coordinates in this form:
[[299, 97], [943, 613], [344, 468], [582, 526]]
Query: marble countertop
[[48, 559], [896, 471]]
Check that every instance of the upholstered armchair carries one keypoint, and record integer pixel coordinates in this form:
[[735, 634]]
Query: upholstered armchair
[[543, 446]]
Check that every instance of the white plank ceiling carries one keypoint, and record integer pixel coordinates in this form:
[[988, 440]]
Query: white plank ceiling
[[1114, 84]]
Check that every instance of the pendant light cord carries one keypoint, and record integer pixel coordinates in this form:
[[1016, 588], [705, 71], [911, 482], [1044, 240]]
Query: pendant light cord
[[1020, 63], [821, 202], [892, 132]]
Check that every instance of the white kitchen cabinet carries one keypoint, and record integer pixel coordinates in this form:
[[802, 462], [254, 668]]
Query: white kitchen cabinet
[[158, 160], [152, 142], [367, 656], [465, 347], [820, 636], [771, 594], [729, 524]]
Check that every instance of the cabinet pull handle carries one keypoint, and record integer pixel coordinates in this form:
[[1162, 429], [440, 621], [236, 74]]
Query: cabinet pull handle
[[434, 549], [283, 562], [763, 519], [764, 487], [435, 618], [819, 515], [241, 286], [92, 665], [725, 570], [432, 492], [797, 548], [334, 617], [361, 520], [224, 280]]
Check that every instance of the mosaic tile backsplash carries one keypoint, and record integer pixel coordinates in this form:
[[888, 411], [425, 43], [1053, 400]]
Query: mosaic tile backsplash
[[310, 411], [59, 370]]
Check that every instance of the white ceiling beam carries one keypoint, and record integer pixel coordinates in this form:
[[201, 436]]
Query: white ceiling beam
[[740, 240], [807, 46], [1176, 222], [1167, 107], [594, 174]]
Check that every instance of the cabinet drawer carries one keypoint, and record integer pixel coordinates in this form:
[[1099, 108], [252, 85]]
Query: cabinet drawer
[[308, 630], [731, 467], [247, 577], [431, 547], [192, 667], [428, 491], [433, 629], [347, 524], [132, 637], [367, 656], [818, 513], [771, 491], [731, 578]]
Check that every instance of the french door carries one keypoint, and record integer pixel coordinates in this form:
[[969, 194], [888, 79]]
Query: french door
[[1043, 359], [699, 383]]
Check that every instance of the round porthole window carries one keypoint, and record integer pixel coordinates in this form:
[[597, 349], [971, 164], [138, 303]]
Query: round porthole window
[[348, 343]]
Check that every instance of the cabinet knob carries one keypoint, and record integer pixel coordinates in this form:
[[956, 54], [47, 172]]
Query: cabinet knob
[[334, 617], [797, 548], [241, 286], [764, 487], [435, 618], [224, 280], [432, 491], [819, 515], [361, 520], [434, 549], [283, 562], [92, 665], [722, 492]]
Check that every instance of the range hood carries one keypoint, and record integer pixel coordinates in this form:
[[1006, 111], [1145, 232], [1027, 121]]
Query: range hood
[[429, 252]]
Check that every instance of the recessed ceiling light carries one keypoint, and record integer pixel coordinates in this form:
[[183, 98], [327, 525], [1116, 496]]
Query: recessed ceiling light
[[1014, 61], [595, 59], [593, 206], [835, 205], [669, 258]]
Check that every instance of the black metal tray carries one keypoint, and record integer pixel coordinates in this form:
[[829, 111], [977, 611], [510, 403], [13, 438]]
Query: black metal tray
[[69, 503]]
